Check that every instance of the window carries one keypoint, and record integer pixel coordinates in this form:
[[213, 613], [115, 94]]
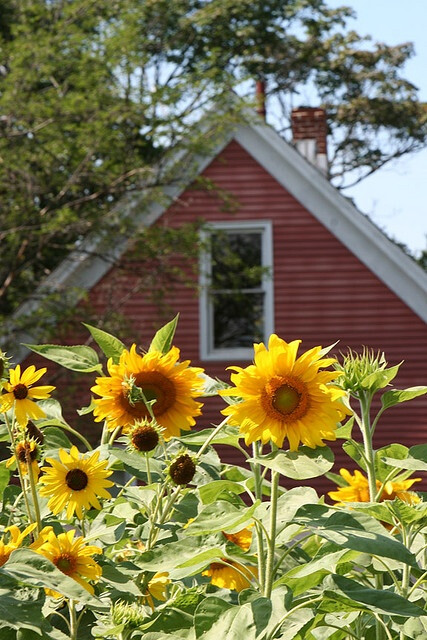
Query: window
[[236, 301]]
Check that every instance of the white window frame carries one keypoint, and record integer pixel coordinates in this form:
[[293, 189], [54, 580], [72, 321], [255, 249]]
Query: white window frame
[[207, 350]]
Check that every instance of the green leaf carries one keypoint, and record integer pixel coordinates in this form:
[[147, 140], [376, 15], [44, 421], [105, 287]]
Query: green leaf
[[221, 516], [53, 411], [208, 611], [121, 581], [181, 558], [55, 439], [395, 451], [419, 452], [212, 491], [111, 346], [293, 623], [299, 465], [343, 589], [228, 435], [33, 569], [380, 379], [410, 463], [4, 477], [355, 451], [234, 623], [416, 628], [136, 463], [163, 339], [395, 396], [15, 612], [77, 358], [212, 386], [345, 430], [352, 531]]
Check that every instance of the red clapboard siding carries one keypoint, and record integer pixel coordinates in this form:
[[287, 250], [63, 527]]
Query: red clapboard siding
[[323, 293]]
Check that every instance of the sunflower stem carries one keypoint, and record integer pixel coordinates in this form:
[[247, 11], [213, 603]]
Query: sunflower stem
[[151, 534], [73, 620], [105, 433], [125, 486], [365, 427], [212, 436], [114, 435], [78, 435], [10, 429], [147, 460], [365, 399], [34, 493], [259, 533], [269, 570]]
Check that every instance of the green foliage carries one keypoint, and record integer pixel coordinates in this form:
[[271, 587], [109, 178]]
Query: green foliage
[[163, 339], [308, 570], [110, 346], [79, 358]]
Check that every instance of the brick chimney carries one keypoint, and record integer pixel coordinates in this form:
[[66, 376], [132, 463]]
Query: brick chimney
[[309, 131]]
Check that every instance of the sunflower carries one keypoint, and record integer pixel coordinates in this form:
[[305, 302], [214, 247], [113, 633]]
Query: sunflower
[[72, 557], [172, 384], [15, 540], [144, 436], [357, 489], [20, 394], [75, 482], [26, 454], [157, 588], [228, 574], [242, 538], [285, 397]]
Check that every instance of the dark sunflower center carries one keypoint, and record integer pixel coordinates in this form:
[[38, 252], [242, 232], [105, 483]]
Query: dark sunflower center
[[76, 479], [286, 399], [145, 438], [20, 391], [155, 386], [65, 563], [24, 452], [182, 470], [150, 393]]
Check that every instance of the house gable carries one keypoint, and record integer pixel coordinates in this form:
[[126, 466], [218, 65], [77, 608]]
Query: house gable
[[323, 291]]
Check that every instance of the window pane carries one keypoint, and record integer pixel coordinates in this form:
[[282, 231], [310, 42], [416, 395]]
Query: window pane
[[238, 319], [236, 260]]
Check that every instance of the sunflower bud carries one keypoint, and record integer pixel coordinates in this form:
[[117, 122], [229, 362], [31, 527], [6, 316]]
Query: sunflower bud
[[365, 371], [130, 614], [144, 436], [182, 469]]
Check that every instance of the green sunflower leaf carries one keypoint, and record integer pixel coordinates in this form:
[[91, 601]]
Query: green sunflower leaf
[[4, 477], [299, 465], [76, 358], [393, 451], [212, 491], [111, 346], [163, 339], [228, 435], [345, 590], [31, 568], [221, 516], [395, 396], [380, 379]]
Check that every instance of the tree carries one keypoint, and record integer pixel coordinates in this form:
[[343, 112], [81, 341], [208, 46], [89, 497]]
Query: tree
[[94, 96]]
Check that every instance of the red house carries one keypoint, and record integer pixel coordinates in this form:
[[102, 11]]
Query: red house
[[327, 272]]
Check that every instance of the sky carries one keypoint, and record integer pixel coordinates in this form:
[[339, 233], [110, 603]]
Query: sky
[[395, 197]]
